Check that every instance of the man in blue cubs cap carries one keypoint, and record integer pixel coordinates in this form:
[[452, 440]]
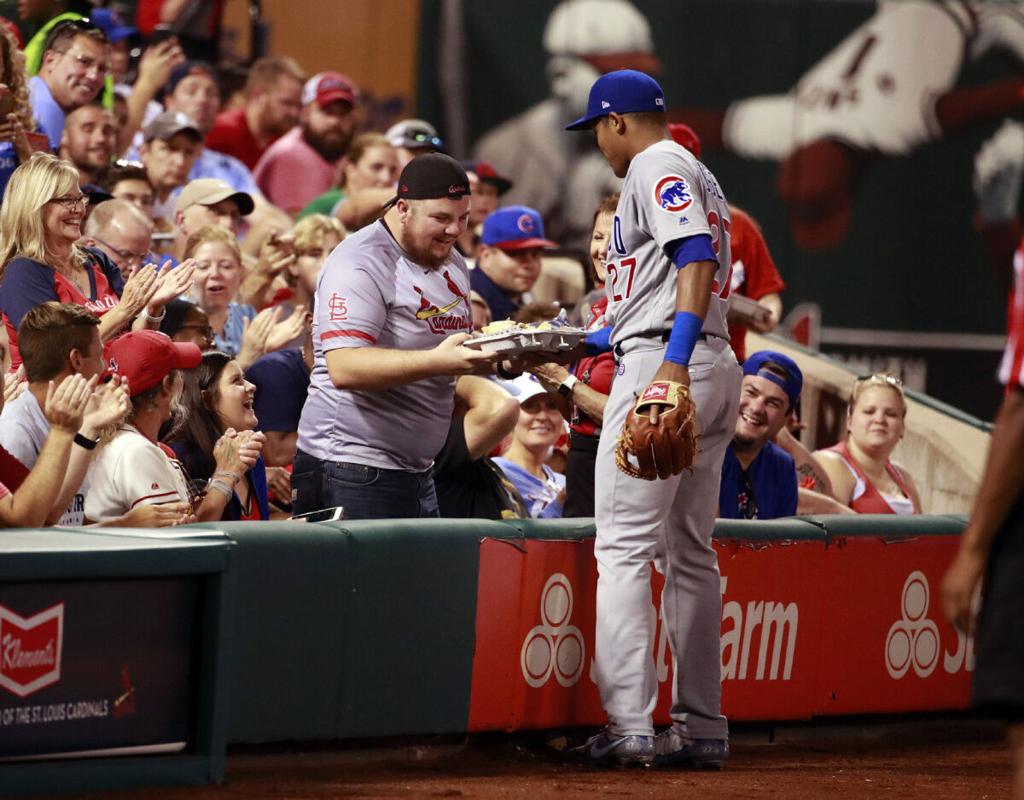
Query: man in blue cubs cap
[[510, 258], [668, 266], [758, 476]]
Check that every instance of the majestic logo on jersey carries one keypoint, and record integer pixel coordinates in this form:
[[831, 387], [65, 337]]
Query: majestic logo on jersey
[[672, 193], [525, 223], [338, 307], [438, 318]]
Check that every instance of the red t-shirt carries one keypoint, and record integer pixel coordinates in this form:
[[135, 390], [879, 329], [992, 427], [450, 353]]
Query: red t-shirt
[[1011, 369], [595, 371], [230, 134], [12, 471], [754, 273]]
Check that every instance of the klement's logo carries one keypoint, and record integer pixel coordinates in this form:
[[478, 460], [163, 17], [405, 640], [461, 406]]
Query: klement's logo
[[554, 646], [913, 640], [30, 649]]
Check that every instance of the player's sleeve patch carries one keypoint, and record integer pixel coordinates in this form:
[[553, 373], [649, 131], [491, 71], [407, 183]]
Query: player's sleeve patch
[[672, 194]]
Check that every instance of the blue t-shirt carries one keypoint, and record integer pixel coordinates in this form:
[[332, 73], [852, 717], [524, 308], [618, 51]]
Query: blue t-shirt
[[282, 383], [8, 163], [769, 489], [543, 497], [502, 306], [234, 327], [47, 112]]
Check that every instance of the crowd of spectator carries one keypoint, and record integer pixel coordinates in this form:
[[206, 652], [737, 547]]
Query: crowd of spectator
[[175, 348]]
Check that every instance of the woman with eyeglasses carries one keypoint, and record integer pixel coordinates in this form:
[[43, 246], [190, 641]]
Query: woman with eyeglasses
[[217, 401], [862, 473], [40, 259]]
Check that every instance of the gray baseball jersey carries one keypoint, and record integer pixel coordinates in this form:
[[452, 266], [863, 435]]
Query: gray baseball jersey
[[667, 195], [370, 294]]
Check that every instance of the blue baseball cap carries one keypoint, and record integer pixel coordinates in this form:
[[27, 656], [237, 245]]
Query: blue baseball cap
[[626, 91], [111, 23], [515, 228], [792, 386]]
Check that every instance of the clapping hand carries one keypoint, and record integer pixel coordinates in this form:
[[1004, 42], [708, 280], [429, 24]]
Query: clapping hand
[[171, 283], [66, 403], [286, 331]]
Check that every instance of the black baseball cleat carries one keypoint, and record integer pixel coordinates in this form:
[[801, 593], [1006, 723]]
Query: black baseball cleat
[[673, 750]]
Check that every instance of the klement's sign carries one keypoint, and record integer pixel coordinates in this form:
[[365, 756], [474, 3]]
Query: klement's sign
[[806, 630]]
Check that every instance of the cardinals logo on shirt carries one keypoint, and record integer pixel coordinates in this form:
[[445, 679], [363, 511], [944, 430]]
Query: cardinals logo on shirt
[[437, 317], [672, 193]]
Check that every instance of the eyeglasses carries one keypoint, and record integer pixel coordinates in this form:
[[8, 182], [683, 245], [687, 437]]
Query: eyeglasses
[[71, 201], [88, 63], [127, 256], [204, 330]]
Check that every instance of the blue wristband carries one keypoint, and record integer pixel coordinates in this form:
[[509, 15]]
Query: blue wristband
[[685, 332], [597, 342]]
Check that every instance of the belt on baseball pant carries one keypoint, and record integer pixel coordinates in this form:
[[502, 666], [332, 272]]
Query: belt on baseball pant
[[621, 348]]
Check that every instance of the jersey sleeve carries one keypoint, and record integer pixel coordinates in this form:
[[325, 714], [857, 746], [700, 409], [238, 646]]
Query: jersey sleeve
[[670, 206], [109, 269], [25, 285], [350, 309]]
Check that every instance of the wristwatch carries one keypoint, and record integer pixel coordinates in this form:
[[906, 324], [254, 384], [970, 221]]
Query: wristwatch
[[565, 387]]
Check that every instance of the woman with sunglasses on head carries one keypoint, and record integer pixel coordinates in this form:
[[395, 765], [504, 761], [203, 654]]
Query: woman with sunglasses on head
[[217, 402], [40, 258], [862, 473]]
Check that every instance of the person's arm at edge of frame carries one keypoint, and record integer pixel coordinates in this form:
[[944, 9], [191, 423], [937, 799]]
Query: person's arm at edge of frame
[[491, 415], [998, 489], [378, 368], [812, 502]]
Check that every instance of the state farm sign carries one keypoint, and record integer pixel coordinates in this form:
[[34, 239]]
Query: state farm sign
[[30, 649]]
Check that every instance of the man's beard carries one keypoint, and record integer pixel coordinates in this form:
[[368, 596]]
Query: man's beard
[[424, 257], [331, 146]]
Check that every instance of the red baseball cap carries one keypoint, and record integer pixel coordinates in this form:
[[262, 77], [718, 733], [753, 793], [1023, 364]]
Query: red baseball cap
[[145, 358], [326, 87], [686, 136]]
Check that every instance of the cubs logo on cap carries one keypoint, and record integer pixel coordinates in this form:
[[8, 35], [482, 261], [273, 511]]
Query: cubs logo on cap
[[672, 193], [515, 228]]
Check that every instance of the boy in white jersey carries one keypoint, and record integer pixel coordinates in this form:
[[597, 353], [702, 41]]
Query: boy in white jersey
[[667, 267], [390, 316]]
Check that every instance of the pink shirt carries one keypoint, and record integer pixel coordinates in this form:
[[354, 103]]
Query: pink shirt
[[291, 173]]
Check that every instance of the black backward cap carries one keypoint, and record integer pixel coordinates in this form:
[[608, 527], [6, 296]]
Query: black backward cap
[[432, 176]]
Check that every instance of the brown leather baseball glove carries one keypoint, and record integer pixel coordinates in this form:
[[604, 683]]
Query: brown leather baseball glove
[[667, 447]]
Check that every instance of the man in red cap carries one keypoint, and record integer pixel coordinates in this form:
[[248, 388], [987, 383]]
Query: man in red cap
[[305, 162]]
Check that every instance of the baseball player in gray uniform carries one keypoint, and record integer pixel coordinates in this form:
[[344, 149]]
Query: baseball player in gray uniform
[[390, 314], [668, 265]]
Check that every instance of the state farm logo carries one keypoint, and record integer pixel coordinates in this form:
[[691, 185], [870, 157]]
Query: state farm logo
[[30, 649], [913, 641], [554, 646]]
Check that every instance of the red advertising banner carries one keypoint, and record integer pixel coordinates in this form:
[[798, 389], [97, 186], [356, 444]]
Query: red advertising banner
[[887, 647], [806, 630]]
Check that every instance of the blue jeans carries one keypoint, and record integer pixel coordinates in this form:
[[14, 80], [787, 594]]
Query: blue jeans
[[364, 492]]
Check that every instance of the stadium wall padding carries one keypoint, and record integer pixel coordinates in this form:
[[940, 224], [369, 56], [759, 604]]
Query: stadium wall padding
[[366, 629]]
